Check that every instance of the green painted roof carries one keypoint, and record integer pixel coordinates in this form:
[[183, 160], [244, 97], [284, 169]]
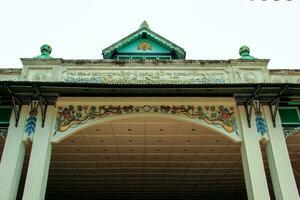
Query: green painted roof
[[144, 33]]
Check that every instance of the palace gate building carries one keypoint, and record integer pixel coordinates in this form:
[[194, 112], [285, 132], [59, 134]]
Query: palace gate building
[[145, 123]]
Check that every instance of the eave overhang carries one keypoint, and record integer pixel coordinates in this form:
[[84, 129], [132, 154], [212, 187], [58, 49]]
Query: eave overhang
[[25, 91]]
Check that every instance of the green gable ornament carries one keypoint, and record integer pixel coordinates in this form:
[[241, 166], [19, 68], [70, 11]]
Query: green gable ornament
[[245, 53], [45, 52]]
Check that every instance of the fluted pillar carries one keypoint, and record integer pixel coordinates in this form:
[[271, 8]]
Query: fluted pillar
[[37, 174], [283, 179], [12, 158], [254, 172]]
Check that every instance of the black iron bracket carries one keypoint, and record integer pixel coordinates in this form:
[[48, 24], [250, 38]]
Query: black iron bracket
[[275, 103], [17, 105], [249, 105], [43, 103]]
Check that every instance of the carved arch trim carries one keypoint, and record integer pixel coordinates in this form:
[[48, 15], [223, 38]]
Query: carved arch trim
[[73, 118]]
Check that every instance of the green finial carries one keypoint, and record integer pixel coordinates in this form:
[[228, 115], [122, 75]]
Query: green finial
[[46, 51], [245, 53], [144, 25]]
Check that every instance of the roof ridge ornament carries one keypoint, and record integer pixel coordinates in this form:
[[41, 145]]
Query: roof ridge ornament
[[144, 24], [45, 52], [245, 53]]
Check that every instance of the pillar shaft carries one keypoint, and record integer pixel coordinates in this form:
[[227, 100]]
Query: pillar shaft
[[12, 158], [37, 174], [254, 172], [283, 180]]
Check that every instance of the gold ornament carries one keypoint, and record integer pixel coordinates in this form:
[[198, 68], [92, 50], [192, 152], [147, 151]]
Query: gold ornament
[[144, 46]]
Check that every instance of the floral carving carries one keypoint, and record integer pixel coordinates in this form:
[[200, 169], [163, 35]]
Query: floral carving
[[71, 116], [3, 132]]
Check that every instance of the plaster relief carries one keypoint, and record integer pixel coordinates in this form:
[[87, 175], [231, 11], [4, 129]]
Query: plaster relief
[[40, 75], [146, 76], [285, 79], [218, 116]]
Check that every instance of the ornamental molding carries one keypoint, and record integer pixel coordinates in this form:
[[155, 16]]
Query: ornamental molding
[[32, 119], [3, 132], [288, 131], [285, 79], [149, 72], [146, 76], [219, 117], [260, 121], [11, 78]]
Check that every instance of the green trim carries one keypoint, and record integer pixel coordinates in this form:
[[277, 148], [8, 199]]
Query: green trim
[[5, 115], [290, 116], [294, 103]]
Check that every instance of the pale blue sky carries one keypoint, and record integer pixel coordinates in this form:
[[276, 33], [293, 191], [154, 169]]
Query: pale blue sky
[[206, 29]]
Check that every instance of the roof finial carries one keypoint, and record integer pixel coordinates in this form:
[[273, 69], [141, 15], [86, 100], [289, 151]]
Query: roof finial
[[45, 52], [245, 53], [144, 25]]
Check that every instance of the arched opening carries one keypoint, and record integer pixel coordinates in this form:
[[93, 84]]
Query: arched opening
[[146, 158]]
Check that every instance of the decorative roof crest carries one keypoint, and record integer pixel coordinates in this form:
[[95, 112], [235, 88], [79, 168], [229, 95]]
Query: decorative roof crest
[[144, 25]]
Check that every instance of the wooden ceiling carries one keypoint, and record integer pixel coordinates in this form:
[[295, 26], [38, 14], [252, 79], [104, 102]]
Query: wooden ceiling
[[149, 158]]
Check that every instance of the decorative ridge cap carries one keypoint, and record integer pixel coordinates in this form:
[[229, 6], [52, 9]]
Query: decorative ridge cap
[[144, 24]]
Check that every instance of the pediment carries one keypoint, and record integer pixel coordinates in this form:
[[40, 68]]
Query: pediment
[[144, 42]]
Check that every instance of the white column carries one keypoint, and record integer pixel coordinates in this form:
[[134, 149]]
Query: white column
[[254, 172], [283, 179], [12, 158], [37, 174]]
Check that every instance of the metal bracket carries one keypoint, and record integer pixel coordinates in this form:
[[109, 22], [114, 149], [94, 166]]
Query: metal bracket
[[17, 105], [257, 107], [274, 111], [275, 102], [43, 111], [249, 105], [43, 104]]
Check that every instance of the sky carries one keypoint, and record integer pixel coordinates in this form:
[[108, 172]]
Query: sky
[[206, 29]]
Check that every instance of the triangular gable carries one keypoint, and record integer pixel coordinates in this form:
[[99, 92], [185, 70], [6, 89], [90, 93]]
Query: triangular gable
[[144, 46], [144, 41]]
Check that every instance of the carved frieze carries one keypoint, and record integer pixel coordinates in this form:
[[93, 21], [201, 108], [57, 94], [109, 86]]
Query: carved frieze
[[146, 76], [249, 76], [10, 78], [284, 79], [75, 115]]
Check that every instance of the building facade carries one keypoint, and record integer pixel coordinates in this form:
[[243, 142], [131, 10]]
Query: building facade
[[145, 123]]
